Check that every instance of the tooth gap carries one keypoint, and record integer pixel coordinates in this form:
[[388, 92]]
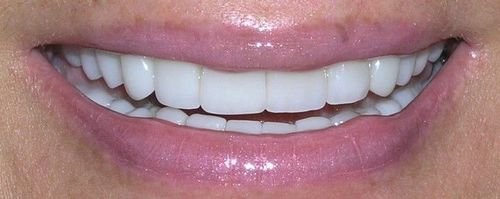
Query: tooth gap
[[264, 122]]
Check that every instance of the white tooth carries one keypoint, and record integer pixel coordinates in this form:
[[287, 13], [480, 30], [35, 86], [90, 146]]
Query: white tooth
[[121, 106], [278, 128], [89, 64], [348, 82], [83, 88], [406, 68], [110, 67], [99, 96], [138, 73], [141, 112], [173, 115], [296, 91], [436, 52], [312, 123], [403, 96], [388, 107], [343, 117], [233, 93], [368, 111], [72, 55], [206, 122], [154, 109], [421, 61], [417, 88], [244, 126], [177, 84], [384, 74]]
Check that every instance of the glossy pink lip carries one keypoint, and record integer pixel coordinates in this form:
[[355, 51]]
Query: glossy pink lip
[[184, 155], [232, 49]]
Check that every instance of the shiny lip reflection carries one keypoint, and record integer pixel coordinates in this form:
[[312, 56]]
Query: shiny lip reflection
[[177, 154]]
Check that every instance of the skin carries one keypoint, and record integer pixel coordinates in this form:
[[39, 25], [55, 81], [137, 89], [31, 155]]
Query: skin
[[41, 158]]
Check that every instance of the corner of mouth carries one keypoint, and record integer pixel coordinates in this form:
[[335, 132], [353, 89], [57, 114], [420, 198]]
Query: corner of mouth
[[166, 150]]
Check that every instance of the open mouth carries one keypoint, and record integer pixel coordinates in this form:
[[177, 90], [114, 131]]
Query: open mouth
[[250, 102], [266, 109]]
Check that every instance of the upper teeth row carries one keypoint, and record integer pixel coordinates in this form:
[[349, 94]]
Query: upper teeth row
[[188, 86]]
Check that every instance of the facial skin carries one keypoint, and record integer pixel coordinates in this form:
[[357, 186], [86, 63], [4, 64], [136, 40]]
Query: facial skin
[[40, 157]]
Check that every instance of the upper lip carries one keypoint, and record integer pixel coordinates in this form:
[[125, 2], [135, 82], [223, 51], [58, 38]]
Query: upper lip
[[238, 46], [176, 152], [187, 155]]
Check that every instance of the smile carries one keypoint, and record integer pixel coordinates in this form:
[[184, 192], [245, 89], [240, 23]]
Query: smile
[[262, 112], [254, 102]]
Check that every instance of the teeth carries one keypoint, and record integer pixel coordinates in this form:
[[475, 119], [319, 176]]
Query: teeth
[[206, 122], [277, 128], [343, 117], [138, 76], [110, 67], [244, 126], [233, 93], [173, 115], [384, 74], [141, 112], [72, 55], [348, 82], [154, 109], [403, 96], [100, 97], [388, 107], [406, 68], [436, 52], [121, 106], [368, 111], [177, 84], [296, 91], [89, 64], [421, 61], [181, 85], [312, 123]]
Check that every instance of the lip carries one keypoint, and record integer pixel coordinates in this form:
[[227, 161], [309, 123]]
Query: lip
[[230, 47], [176, 154]]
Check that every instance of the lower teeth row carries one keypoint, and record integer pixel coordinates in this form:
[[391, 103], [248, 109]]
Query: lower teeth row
[[371, 105]]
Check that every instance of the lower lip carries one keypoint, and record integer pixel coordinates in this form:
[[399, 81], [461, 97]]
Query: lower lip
[[177, 154]]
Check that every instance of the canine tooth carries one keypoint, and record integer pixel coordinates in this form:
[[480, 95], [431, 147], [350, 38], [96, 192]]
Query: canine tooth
[[421, 61], [388, 107], [244, 126], [173, 115], [312, 123], [343, 117], [72, 55], [348, 82], [384, 74], [99, 96], [89, 64], [233, 93], [296, 91], [110, 67], [206, 122], [141, 112], [138, 73], [177, 84], [121, 106], [406, 68], [436, 52], [403, 96], [278, 128]]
